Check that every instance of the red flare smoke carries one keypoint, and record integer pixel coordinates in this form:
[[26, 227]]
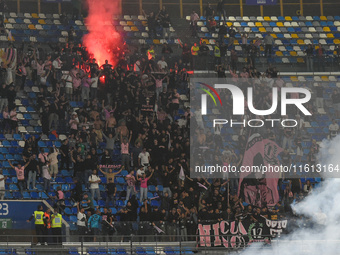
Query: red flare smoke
[[102, 39]]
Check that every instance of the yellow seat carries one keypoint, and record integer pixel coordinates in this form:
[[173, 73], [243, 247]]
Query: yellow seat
[[206, 41], [267, 18], [42, 22], [326, 29], [229, 24], [6, 21], [336, 41], [236, 42], [35, 15], [293, 53], [295, 36], [156, 41], [144, 23], [130, 23], [261, 48], [262, 30], [323, 18], [279, 53], [258, 24], [134, 29], [31, 26], [279, 24], [288, 18], [324, 78], [300, 60], [330, 35], [294, 78], [300, 42], [274, 36]]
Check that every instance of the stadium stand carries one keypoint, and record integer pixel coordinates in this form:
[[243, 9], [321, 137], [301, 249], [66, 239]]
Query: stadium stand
[[44, 112]]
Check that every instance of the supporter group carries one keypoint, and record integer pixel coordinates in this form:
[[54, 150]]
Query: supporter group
[[120, 138]]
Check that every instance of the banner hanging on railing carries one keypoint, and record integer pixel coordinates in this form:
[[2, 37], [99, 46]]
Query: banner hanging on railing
[[13, 214], [236, 234], [261, 2]]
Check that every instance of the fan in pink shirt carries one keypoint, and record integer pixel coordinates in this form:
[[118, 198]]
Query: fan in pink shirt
[[144, 186], [20, 171]]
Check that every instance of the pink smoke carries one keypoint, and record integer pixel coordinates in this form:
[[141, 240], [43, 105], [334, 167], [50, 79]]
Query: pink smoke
[[102, 40]]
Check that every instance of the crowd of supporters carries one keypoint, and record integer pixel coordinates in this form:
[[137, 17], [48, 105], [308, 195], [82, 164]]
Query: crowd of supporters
[[132, 117]]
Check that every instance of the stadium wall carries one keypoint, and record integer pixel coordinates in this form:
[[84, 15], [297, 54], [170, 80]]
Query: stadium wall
[[13, 217]]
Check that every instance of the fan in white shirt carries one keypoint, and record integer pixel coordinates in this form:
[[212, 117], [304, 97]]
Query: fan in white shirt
[[162, 64]]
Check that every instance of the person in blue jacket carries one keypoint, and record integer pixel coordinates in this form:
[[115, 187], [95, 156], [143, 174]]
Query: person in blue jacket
[[93, 224]]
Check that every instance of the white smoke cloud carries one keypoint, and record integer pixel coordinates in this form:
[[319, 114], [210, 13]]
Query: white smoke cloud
[[321, 234]]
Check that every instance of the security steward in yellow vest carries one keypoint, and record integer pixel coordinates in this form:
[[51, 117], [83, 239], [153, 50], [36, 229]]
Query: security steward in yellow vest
[[39, 222], [217, 54], [194, 53], [56, 225]]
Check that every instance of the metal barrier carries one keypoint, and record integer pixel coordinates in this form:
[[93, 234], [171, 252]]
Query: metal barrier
[[129, 244]]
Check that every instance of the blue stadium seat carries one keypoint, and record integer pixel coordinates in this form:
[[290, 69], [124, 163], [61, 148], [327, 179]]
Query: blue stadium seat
[[52, 137], [30, 109], [49, 144], [65, 187], [51, 194], [121, 251], [34, 195], [8, 195], [152, 188], [73, 218], [155, 203], [13, 187], [120, 203], [39, 187], [140, 251], [17, 137], [41, 144], [59, 180], [6, 143], [68, 211], [74, 210], [124, 173], [73, 251], [14, 144], [26, 195]]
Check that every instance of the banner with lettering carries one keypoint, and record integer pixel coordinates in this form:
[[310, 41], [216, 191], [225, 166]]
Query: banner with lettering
[[237, 234]]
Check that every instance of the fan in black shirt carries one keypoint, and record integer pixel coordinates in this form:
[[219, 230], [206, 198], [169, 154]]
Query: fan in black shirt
[[106, 159], [107, 227]]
